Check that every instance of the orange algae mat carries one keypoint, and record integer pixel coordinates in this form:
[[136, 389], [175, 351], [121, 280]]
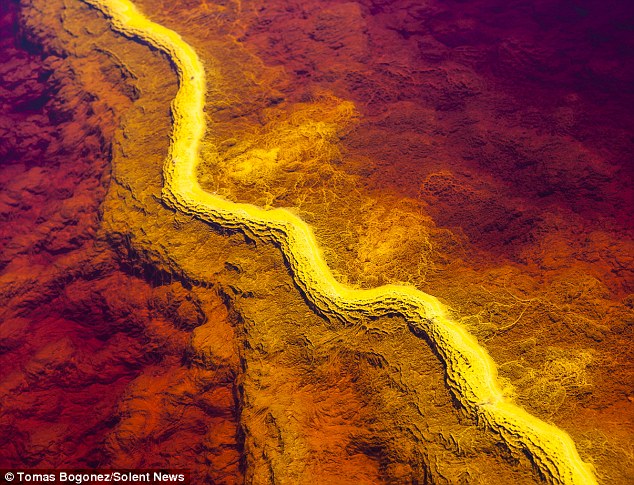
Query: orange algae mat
[[308, 151]]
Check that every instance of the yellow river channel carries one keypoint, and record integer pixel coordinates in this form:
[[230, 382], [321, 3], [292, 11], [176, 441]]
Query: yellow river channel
[[471, 373]]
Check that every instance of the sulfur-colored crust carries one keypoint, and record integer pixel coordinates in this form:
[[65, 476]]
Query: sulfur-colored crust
[[470, 372]]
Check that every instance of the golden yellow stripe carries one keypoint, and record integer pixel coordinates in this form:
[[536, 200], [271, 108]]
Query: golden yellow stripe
[[471, 373]]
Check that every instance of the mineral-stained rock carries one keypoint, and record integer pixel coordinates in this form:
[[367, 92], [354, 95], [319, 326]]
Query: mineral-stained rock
[[85, 335], [477, 150]]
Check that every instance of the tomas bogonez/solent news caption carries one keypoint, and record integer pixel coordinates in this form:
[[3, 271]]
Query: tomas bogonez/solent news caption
[[78, 477]]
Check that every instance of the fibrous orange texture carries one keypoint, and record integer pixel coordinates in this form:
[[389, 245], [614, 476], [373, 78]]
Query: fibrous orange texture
[[422, 149]]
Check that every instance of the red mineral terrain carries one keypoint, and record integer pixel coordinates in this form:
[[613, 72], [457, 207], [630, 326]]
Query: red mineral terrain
[[96, 364], [481, 151]]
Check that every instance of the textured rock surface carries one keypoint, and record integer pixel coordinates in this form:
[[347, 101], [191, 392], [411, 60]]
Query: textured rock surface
[[509, 264], [103, 363]]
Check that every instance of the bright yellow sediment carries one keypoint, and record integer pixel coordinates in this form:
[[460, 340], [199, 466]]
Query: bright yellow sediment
[[470, 372]]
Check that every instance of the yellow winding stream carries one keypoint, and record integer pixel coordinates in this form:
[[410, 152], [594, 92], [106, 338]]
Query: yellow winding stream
[[470, 372]]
